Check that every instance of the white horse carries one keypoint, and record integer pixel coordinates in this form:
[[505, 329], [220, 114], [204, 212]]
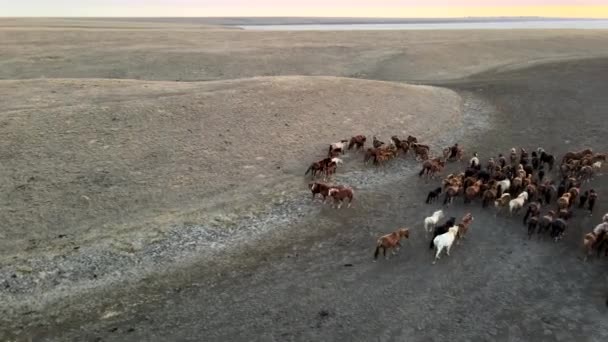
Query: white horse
[[505, 185], [474, 162], [338, 161], [516, 204], [597, 166], [445, 240], [431, 221], [338, 146]]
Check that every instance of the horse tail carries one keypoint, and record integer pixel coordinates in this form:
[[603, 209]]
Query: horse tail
[[308, 170]]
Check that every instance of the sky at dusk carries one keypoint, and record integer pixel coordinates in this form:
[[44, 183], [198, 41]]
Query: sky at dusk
[[314, 8]]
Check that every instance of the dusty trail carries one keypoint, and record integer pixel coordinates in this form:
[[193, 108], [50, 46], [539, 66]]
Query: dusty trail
[[299, 283]]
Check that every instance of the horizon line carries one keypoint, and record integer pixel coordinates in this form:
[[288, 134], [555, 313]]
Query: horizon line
[[297, 17]]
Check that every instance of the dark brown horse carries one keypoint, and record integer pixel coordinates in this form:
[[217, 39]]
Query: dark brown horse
[[322, 189], [318, 167]]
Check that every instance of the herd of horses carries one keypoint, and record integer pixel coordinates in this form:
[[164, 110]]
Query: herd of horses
[[508, 183]]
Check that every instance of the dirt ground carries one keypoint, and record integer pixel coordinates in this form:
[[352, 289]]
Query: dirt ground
[[131, 156], [318, 281], [145, 152]]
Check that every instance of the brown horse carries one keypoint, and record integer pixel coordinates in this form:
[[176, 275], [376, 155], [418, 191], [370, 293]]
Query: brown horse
[[421, 152], [358, 141], [545, 222], [447, 152], [464, 224], [564, 201], [391, 241], [576, 155], [451, 192], [472, 191], [595, 239], [317, 167], [411, 139], [431, 167], [322, 188], [401, 144], [377, 143], [489, 196], [340, 195]]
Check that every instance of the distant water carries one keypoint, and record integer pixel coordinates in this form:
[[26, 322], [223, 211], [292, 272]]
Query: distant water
[[494, 25]]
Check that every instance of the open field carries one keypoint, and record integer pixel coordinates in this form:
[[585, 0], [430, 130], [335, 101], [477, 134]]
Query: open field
[[140, 208]]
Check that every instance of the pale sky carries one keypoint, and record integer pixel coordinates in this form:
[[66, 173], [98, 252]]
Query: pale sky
[[304, 8]]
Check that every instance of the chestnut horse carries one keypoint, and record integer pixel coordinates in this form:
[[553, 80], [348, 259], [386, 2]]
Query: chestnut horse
[[464, 224], [391, 241], [595, 239], [339, 195], [358, 141], [472, 191]]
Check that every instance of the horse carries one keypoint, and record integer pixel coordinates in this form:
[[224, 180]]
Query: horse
[[533, 210], [317, 167], [464, 224], [504, 185], [558, 228], [339, 195], [450, 193], [474, 162], [545, 222], [330, 170], [564, 201], [377, 143], [516, 204], [441, 229], [576, 155], [338, 147], [490, 195], [421, 152], [322, 188], [431, 221], [433, 195], [431, 167], [472, 191], [591, 201], [450, 156], [502, 202], [358, 141], [446, 241], [548, 159], [513, 157], [391, 241], [401, 144], [595, 239], [532, 224]]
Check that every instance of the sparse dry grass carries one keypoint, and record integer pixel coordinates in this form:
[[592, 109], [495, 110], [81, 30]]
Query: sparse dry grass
[[96, 158]]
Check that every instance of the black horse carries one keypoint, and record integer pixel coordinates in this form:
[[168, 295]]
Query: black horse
[[558, 228], [547, 158], [433, 195], [442, 229]]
